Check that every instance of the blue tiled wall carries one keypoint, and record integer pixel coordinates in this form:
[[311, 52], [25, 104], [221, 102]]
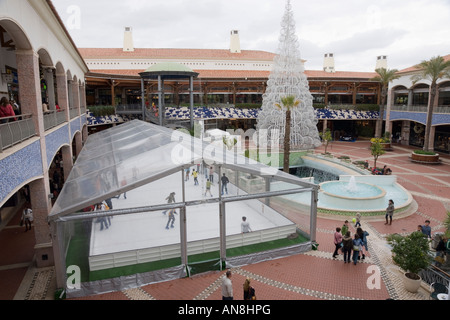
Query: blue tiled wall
[[23, 165]]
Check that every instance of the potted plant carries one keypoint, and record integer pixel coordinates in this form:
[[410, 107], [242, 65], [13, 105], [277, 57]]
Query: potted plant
[[426, 157], [385, 141], [412, 254]]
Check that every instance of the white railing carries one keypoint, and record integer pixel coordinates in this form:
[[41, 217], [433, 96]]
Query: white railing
[[15, 132], [420, 108], [54, 118]]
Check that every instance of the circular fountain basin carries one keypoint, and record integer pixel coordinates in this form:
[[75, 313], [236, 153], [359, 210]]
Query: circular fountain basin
[[362, 195]]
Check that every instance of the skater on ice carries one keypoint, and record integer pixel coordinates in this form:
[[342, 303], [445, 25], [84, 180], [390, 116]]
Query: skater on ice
[[225, 181], [195, 175], [208, 188], [171, 218], [170, 199]]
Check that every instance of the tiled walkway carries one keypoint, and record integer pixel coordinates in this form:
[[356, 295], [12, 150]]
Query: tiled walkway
[[310, 276]]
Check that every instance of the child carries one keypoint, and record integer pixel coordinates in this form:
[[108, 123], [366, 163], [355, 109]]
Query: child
[[358, 220], [195, 175], [208, 187]]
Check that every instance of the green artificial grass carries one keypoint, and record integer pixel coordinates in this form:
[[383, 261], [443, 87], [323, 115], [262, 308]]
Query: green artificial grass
[[78, 253]]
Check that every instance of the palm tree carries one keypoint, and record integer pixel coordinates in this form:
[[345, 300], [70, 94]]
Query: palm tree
[[432, 70], [384, 77], [288, 103]]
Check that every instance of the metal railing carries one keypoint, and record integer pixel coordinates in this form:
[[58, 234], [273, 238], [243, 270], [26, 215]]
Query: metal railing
[[434, 274], [73, 113], [15, 132], [54, 118], [420, 108]]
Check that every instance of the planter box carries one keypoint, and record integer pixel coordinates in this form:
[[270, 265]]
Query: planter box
[[425, 158], [386, 146]]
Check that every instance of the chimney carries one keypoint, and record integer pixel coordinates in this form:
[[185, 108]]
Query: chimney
[[381, 62], [328, 62], [128, 40], [235, 43]]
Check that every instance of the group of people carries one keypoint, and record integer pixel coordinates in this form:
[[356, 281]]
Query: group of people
[[344, 242], [9, 110], [384, 171], [170, 199], [209, 180], [443, 244], [227, 288]]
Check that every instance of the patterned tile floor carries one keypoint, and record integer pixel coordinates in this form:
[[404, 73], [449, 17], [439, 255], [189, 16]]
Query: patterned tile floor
[[310, 276]]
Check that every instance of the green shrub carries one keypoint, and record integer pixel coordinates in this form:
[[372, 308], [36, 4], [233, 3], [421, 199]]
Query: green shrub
[[429, 153], [101, 111]]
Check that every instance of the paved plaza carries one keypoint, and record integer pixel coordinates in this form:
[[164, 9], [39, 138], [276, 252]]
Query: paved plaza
[[314, 275]]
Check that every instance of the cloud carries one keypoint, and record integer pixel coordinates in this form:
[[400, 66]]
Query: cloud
[[356, 31]]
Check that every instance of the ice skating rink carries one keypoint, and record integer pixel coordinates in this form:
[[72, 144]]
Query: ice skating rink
[[133, 232]]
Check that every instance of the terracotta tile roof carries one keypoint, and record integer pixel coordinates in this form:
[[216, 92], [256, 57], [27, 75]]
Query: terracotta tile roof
[[413, 68], [339, 74], [145, 53], [236, 74], [218, 74]]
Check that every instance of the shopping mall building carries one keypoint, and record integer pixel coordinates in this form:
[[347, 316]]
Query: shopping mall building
[[57, 84]]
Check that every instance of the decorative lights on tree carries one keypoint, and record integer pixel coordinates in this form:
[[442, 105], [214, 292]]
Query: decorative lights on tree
[[287, 78]]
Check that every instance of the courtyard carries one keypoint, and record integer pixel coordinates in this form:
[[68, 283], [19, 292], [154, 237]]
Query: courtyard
[[313, 275]]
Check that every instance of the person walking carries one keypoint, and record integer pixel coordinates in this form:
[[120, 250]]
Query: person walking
[[208, 187], [227, 287], [249, 291], [344, 228], [211, 174], [426, 229], [363, 236], [390, 211], [347, 246], [337, 241], [358, 220], [225, 182], [357, 244], [27, 217]]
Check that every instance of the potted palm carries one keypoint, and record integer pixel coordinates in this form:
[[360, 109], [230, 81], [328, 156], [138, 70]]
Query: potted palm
[[412, 254]]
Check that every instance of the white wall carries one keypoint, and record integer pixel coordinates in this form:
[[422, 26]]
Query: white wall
[[43, 31]]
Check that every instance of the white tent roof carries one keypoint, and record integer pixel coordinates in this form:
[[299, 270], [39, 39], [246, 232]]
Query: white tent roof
[[135, 153]]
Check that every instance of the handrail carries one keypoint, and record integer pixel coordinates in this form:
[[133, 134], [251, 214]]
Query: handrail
[[434, 274], [15, 132], [420, 108], [54, 118]]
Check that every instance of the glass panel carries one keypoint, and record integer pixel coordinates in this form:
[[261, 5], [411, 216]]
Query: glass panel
[[121, 245]]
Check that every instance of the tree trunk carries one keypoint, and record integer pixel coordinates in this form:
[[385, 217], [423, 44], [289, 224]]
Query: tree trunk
[[430, 108], [382, 108], [287, 141]]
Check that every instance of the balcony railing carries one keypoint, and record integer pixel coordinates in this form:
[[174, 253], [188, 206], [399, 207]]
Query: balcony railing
[[73, 112], [434, 274], [15, 132], [420, 108], [54, 118]]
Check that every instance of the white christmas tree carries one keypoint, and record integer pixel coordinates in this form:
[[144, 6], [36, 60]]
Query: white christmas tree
[[287, 78]]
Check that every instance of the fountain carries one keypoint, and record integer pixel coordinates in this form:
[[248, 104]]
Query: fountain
[[351, 187], [352, 194]]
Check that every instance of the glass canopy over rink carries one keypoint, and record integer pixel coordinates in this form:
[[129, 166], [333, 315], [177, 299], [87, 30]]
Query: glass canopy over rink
[[168, 213]]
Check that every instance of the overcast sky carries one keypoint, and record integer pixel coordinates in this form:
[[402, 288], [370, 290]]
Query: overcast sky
[[356, 31]]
